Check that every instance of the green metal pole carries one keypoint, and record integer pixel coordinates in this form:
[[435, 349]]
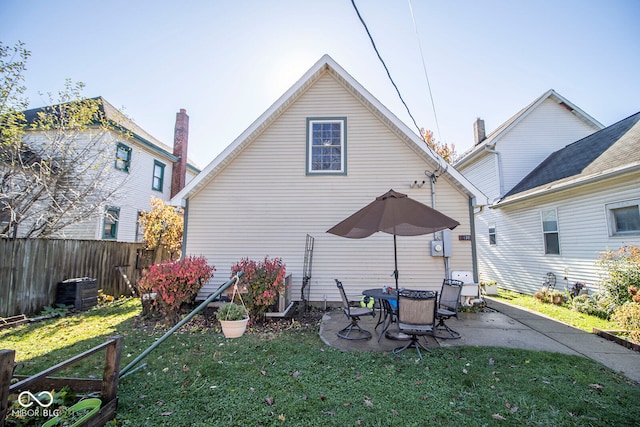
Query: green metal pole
[[188, 317]]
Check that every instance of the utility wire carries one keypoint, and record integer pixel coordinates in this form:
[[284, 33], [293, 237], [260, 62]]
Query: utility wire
[[384, 65], [426, 75]]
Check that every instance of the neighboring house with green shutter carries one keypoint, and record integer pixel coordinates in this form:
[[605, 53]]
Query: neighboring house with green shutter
[[562, 190], [139, 167]]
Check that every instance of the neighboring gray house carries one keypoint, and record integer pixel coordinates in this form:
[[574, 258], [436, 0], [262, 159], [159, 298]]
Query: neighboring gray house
[[573, 204]]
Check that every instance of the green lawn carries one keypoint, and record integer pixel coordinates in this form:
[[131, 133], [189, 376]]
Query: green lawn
[[199, 378], [563, 312]]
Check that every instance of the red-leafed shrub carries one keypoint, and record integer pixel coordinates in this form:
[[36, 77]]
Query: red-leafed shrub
[[262, 282], [174, 283]]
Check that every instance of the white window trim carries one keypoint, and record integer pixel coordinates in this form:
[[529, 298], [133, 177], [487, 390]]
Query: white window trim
[[343, 145], [544, 248], [611, 223]]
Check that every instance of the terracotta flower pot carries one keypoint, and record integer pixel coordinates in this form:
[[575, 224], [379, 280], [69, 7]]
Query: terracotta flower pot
[[234, 328]]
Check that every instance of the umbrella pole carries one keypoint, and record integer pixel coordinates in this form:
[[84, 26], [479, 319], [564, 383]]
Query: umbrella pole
[[395, 261]]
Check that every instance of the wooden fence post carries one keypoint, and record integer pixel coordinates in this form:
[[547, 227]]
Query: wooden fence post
[[111, 370], [6, 372]]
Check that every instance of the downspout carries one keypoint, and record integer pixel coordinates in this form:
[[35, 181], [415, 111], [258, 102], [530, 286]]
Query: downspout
[[184, 227], [474, 254], [498, 166], [445, 257]]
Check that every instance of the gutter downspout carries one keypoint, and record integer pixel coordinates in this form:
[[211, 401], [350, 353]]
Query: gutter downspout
[[445, 257], [498, 166]]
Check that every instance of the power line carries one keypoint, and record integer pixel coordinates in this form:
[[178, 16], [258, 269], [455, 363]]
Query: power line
[[426, 75], [384, 65]]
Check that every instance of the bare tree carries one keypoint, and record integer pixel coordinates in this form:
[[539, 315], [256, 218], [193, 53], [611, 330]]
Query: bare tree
[[56, 163]]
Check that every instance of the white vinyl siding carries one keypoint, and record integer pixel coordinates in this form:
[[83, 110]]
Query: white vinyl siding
[[546, 129], [263, 202], [521, 264]]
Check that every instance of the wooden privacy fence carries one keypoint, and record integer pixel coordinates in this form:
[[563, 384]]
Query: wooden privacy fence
[[30, 269]]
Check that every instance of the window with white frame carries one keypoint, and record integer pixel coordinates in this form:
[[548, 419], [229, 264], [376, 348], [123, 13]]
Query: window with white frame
[[111, 218], [550, 232], [492, 235], [624, 218], [158, 175], [326, 146]]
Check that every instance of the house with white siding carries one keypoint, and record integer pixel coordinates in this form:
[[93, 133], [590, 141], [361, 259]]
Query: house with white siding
[[139, 167], [561, 190], [322, 151]]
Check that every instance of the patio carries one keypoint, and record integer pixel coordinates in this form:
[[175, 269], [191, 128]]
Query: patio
[[499, 325]]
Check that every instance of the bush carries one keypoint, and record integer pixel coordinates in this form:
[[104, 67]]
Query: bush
[[587, 305], [627, 317], [175, 284], [621, 269], [263, 281]]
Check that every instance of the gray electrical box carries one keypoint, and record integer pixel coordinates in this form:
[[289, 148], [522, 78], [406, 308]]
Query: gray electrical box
[[442, 247]]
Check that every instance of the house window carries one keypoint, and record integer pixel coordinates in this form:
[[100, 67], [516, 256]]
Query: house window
[[326, 146], [550, 232], [123, 157], [111, 218], [492, 235], [158, 175], [624, 218]]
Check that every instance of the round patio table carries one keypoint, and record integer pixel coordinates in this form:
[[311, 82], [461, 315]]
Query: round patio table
[[389, 303]]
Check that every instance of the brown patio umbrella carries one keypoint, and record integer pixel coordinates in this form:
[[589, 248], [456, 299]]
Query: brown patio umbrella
[[393, 213]]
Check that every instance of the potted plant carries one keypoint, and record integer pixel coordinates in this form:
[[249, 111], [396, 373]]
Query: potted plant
[[557, 297], [489, 287], [233, 319]]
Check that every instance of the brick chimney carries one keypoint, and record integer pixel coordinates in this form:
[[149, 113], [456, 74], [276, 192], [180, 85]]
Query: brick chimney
[[479, 134], [180, 143]]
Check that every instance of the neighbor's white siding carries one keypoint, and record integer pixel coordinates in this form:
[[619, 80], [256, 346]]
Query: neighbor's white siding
[[546, 129], [133, 188], [518, 261], [263, 203]]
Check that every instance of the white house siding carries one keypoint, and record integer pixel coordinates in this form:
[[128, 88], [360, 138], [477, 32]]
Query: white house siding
[[263, 203], [134, 190], [483, 174], [546, 129], [518, 261]]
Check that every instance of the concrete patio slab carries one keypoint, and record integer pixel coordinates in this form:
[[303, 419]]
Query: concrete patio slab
[[501, 325]]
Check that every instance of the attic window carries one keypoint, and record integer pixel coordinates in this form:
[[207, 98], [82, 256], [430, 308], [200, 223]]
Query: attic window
[[326, 146]]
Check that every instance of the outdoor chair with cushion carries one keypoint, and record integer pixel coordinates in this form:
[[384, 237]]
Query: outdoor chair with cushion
[[448, 307], [353, 331], [416, 317]]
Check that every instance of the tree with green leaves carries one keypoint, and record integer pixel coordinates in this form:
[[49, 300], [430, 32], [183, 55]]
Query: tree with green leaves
[[56, 162]]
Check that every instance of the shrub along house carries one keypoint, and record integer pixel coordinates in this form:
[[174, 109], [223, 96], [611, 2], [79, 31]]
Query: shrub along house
[[323, 150], [562, 190]]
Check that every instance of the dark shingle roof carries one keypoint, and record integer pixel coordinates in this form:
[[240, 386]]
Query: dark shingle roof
[[610, 148]]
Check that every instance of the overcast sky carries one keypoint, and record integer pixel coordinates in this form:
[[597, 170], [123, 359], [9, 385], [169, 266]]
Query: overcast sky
[[226, 62]]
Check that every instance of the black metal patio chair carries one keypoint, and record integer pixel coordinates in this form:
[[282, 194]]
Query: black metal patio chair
[[416, 317], [448, 307], [353, 331]]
